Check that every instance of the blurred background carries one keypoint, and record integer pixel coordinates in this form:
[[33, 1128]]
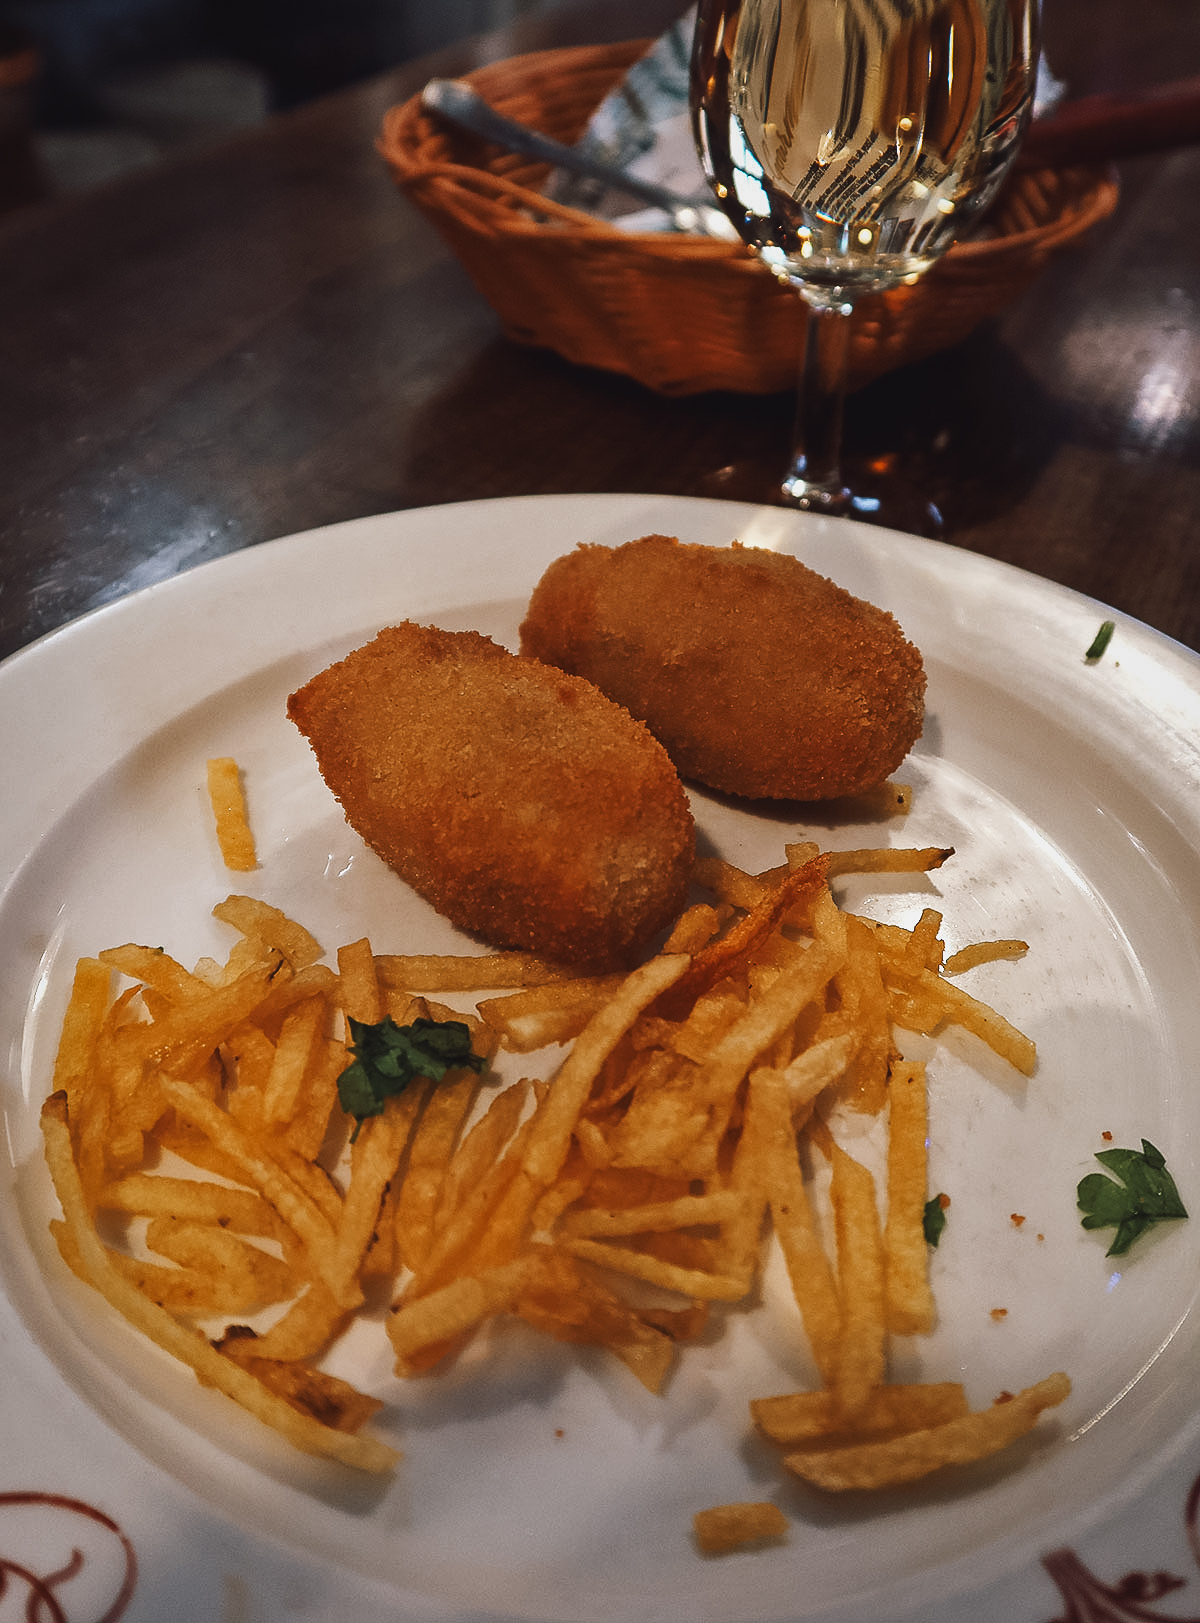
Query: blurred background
[[91, 88]]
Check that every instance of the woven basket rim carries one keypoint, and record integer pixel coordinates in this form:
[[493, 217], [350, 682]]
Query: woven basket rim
[[574, 225], [1094, 200]]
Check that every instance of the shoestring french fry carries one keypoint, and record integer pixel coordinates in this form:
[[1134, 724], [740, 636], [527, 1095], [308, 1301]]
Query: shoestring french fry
[[430, 1151], [693, 929], [801, 1417], [302, 1333], [492, 971], [555, 1012], [888, 859], [730, 883], [984, 952], [810, 1271], [895, 1461], [268, 928], [228, 800], [861, 1358], [360, 995], [925, 948], [722, 1528], [908, 1297], [623, 1195]]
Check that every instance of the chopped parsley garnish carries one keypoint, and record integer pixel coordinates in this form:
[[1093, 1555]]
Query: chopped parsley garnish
[[1145, 1195], [387, 1057], [934, 1220], [1100, 641]]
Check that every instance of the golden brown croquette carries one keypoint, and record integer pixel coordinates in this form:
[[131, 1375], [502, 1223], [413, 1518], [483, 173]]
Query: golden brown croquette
[[760, 677], [519, 801]]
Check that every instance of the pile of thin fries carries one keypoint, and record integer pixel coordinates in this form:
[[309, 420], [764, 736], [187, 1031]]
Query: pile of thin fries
[[613, 1204]]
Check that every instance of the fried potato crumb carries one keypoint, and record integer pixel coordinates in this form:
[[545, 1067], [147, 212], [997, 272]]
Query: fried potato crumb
[[724, 1528]]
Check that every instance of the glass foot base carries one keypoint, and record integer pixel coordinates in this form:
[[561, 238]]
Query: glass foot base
[[886, 501], [838, 502]]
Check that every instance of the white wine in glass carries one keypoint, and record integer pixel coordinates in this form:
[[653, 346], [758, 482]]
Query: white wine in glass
[[850, 142]]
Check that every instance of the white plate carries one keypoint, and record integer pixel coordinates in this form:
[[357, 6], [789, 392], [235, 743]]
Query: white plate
[[538, 1483]]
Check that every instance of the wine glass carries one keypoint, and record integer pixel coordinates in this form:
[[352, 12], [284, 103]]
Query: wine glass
[[850, 142]]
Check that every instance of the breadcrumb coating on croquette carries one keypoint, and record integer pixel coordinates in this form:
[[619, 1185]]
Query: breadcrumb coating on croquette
[[525, 806], [760, 677]]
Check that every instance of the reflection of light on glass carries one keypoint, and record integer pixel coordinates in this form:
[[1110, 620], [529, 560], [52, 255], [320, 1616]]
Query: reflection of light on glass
[[743, 158], [1113, 1281], [751, 193]]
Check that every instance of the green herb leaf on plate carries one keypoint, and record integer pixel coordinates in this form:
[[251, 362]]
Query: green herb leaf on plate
[[387, 1057], [1100, 641], [1144, 1195]]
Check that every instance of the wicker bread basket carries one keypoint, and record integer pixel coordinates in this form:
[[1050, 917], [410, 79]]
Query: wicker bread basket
[[681, 313]]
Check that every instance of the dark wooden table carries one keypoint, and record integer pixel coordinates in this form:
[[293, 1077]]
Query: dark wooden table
[[265, 337]]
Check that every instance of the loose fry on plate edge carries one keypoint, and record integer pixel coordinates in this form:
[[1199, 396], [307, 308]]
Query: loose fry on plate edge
[[914, 1454], [984, 952], [888, 859], [228, 800], [722, 1528]]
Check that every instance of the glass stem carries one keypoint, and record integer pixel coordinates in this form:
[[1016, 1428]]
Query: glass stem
[[814, 480]]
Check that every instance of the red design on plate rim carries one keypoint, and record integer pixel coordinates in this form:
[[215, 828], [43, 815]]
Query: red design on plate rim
[[43, 1605]]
